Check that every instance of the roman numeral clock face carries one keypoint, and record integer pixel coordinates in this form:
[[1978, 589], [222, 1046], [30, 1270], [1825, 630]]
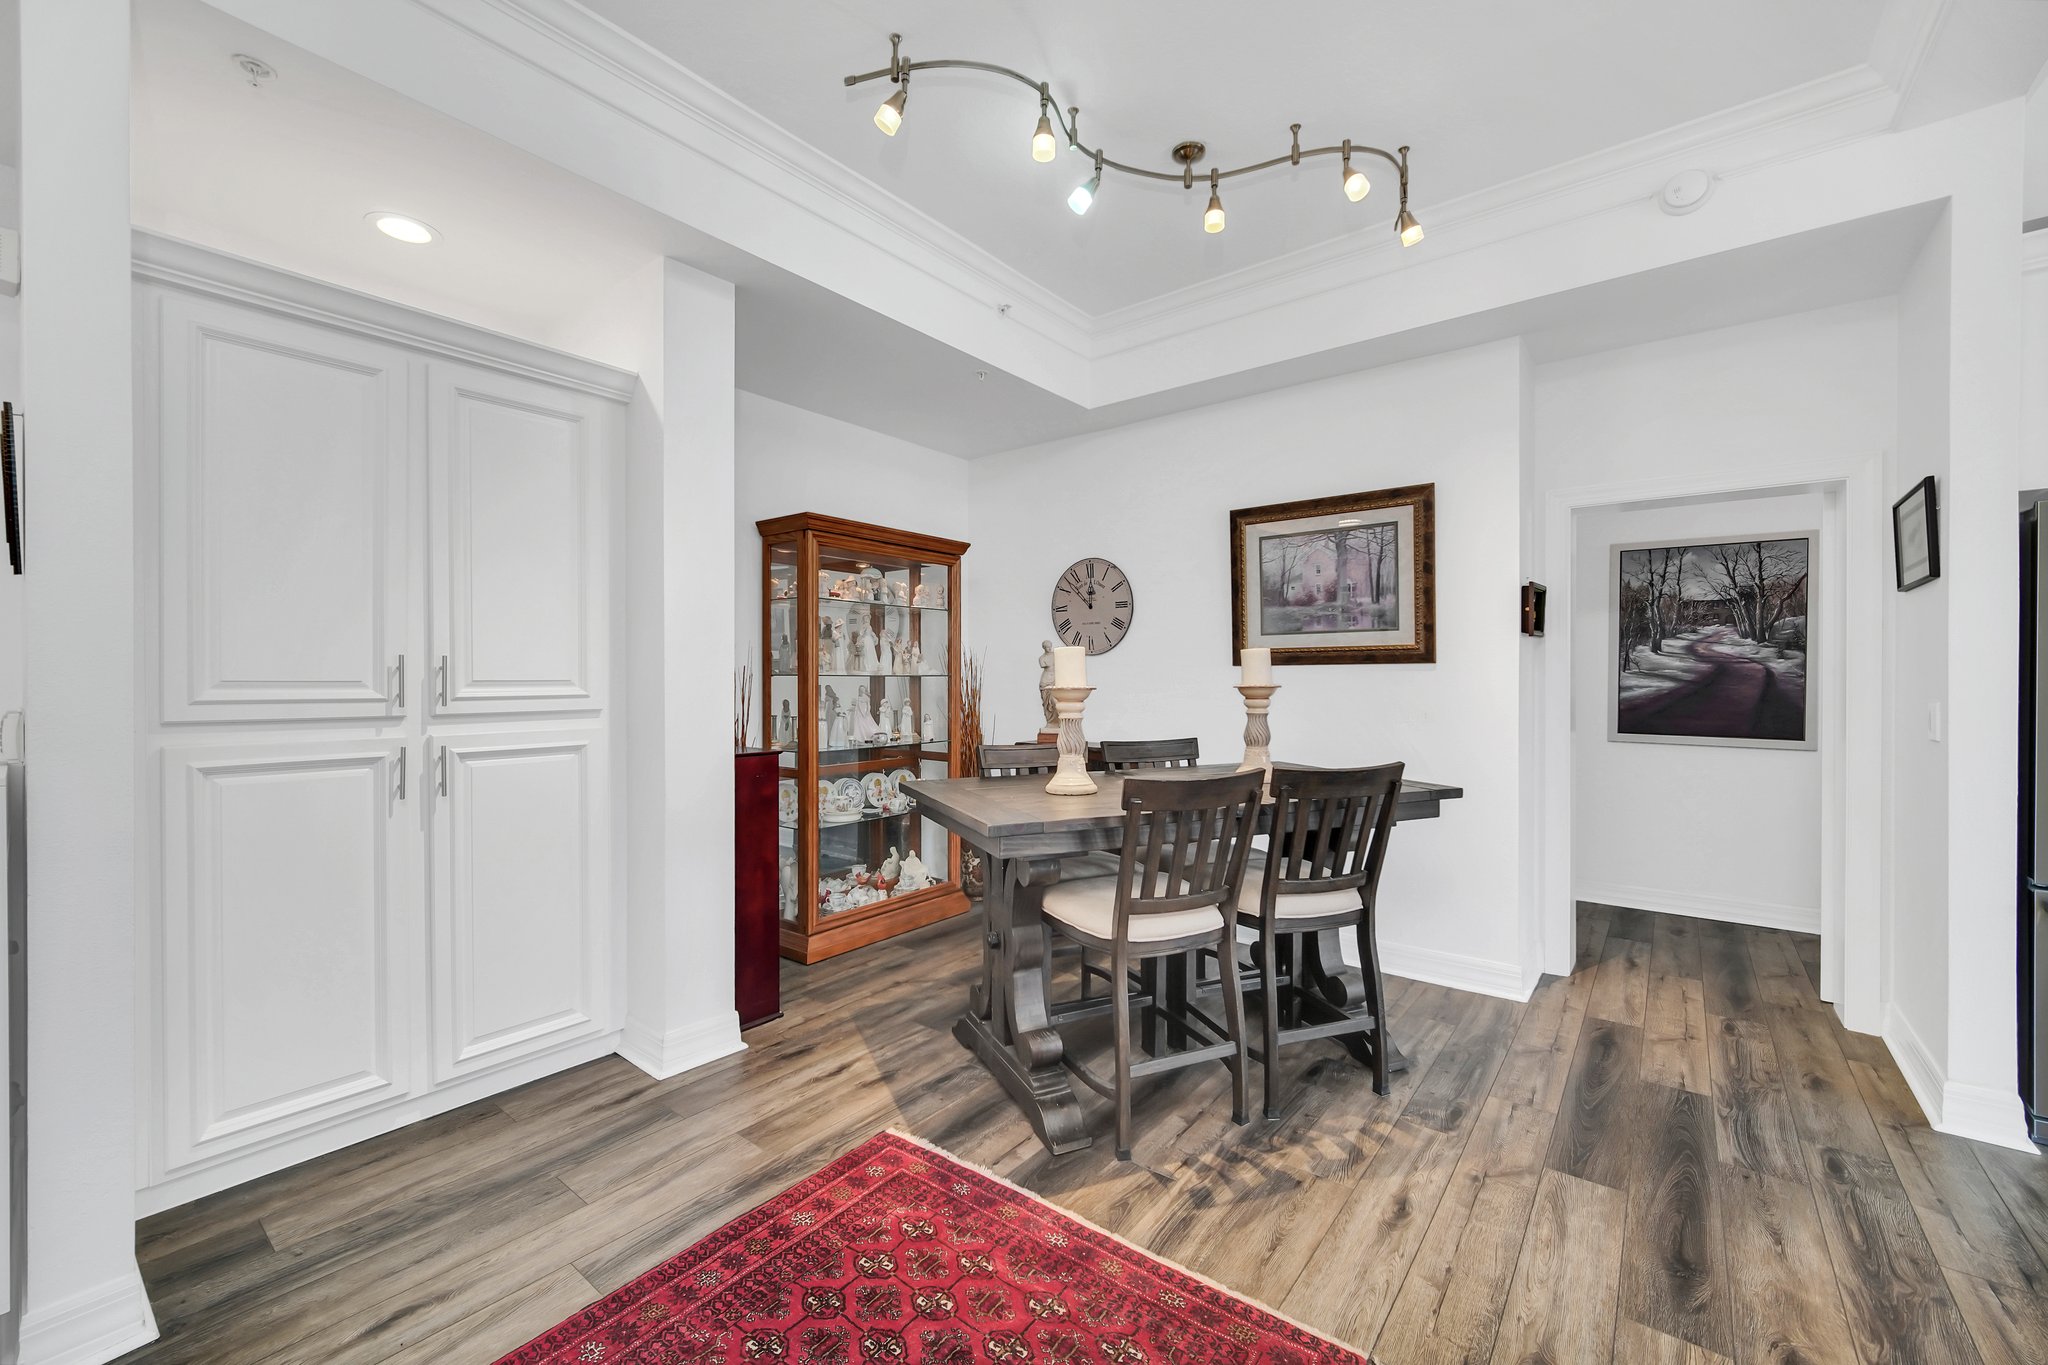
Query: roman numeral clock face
[[1091, 606]]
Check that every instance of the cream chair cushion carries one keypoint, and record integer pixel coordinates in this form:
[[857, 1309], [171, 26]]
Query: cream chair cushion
[[1089, 906], [1301, 905]]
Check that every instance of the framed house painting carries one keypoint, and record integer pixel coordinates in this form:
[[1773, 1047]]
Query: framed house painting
[[1916, 537], [1711, 642], [1343, 580]]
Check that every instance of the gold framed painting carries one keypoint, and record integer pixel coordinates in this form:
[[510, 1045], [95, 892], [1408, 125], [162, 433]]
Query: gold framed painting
[[1340, 580]]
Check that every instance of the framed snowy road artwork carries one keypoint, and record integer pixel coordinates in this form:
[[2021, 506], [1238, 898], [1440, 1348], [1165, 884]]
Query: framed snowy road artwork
[[1711, 642]]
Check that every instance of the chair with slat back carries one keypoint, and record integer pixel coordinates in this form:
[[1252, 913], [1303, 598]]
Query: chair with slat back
[[1179, 881], [1320, 872], [1019, 760], [1131, 755]]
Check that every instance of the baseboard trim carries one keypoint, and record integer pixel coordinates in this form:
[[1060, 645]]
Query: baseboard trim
[[1459, 971], [91, 1327], [234, 1168], [1925, 1076], [662, 1055], [1985, 1114], [1799, 919]]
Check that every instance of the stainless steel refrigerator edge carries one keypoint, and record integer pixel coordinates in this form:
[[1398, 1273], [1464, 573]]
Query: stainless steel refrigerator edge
[[2033, 822]]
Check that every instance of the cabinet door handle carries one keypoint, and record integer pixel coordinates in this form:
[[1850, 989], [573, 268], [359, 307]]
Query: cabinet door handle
[[403, 750], [398, 701], [442, 673], [441, 769]]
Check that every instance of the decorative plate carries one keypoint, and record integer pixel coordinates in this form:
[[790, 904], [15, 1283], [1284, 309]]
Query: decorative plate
[[898, 777], [875, 786], [847, 791], [824, 794], [835, 815], [785, 801]]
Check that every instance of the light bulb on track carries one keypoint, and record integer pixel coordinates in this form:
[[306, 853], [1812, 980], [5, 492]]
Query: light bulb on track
[[890, 116], [1212, 217], [1044, 146], [1083, 197], [1356, 186], [1410, 230]]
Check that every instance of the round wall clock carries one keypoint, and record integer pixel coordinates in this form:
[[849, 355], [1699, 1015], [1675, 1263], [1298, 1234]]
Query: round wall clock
[[1091, 605]]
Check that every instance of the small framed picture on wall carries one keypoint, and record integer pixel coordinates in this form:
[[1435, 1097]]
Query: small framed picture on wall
[[1916, 537]]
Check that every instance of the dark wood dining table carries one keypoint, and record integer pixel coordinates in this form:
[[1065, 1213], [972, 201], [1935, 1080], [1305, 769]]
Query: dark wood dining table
[[1023, 833]]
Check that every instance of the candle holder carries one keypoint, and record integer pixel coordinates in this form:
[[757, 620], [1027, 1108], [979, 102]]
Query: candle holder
[[1071, 778], [1258, 736]]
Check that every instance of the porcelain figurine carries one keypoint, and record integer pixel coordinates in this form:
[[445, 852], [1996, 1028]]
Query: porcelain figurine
[[916, 665], [890, 872], [906, 725], [785, 724], [866, 729], [837, 738], [931, 729], [788, 879], [914, 876]]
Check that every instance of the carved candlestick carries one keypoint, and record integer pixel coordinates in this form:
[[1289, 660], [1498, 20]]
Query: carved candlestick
[[1258, 736], [1071, 778]]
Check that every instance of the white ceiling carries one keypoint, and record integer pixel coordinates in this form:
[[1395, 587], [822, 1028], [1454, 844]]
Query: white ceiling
[[1484, 92]]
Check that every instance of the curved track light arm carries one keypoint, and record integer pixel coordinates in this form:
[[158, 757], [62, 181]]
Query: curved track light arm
[[898, 69]]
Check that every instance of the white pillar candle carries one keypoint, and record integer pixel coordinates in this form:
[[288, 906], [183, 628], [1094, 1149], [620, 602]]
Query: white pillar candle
[[1070, 666], [1258, 667]]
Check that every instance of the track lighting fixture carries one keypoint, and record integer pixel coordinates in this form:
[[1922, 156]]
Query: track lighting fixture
[[1356, 186], [1044, 146], [1052, 123], [1083, 197], [890, 116]]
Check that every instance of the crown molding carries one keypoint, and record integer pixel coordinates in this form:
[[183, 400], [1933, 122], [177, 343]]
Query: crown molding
[[714, 124], [1906, 33], [1790, 123], [1795, 122], [202, 270], [2033, 251]]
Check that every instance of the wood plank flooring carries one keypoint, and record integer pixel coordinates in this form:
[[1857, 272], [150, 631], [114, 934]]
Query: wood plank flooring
[[1675, 1154]]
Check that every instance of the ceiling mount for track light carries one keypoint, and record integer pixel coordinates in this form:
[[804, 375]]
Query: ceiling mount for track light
[[1053, 122]]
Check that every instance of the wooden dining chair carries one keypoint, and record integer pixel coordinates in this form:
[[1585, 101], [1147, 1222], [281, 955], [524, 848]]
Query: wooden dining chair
[[1320, 871], [1019, 760], [1179, 879], [1130, 755]]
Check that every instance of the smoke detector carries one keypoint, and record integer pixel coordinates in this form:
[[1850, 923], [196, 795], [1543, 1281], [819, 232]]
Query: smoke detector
[[1684, 192], [254, 69]]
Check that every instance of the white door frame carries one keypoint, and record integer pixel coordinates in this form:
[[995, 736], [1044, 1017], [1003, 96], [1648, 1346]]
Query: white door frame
[[1851, 718]]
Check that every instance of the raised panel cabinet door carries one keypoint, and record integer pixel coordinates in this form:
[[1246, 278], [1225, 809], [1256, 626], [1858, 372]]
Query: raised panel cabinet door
[[516, 540], [521, 928], [287, 906], [281, 456]]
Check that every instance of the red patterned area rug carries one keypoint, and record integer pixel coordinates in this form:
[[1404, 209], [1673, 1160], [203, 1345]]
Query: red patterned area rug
[[896, 1254]]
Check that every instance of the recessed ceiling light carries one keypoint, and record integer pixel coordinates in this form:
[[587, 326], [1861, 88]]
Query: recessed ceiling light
[[411, 231]]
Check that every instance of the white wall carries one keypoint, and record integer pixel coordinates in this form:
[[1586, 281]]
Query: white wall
[[788, 460], [1155, 499], [1726, 833], [2034, 419], [10, 388], [1806, 386], [83, 1298], [1916, 669]]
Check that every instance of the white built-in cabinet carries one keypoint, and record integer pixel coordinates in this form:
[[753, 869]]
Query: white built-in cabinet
[[376, 578]]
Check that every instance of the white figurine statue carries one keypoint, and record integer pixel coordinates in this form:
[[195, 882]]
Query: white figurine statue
[[931, 730], [837, 738], [916, 665], [890, 871], [866, 730], [914, 877], [1045, 701]]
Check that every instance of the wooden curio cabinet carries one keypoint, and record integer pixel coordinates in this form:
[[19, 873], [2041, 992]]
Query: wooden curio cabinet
[[861, 641]]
